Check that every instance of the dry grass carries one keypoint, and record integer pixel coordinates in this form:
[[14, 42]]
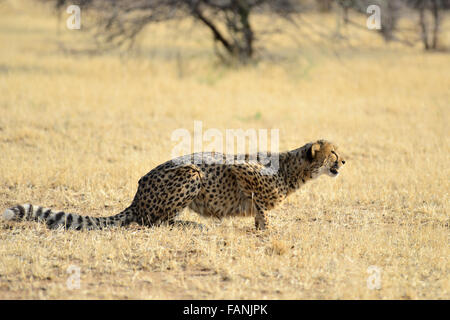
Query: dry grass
[[78, 131]]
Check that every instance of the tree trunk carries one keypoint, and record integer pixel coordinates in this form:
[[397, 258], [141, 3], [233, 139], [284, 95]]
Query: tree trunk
[[237, 41], [423, 27], [324, 5], [436, 18], [243, 12]]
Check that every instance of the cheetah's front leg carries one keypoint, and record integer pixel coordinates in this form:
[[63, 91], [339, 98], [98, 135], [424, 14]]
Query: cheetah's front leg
[[261, 220]]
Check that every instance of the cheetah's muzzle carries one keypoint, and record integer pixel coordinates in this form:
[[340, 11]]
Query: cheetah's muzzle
[[334, 171]]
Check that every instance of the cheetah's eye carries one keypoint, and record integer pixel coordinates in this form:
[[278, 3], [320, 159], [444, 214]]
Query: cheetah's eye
[[334, 156]]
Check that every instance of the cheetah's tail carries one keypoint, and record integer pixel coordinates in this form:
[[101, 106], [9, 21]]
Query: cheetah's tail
[[54, 219]]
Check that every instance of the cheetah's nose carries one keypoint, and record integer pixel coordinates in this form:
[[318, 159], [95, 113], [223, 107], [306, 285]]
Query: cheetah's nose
[[343, 162]]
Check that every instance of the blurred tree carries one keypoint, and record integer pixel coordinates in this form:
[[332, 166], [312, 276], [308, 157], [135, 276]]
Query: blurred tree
[[324, 5], [120, 21], [435, 7], [393, 10], [389, 13]]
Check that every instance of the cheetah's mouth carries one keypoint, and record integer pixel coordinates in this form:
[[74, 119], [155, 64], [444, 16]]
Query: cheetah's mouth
[[334, 171]]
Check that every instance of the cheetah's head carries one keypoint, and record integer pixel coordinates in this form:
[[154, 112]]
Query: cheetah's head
[[324, 158]]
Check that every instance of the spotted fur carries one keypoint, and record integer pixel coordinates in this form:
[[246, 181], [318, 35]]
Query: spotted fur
[[212, 187]]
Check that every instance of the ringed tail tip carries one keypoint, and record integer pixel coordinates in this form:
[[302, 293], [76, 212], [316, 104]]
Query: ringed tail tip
[[8, 214]]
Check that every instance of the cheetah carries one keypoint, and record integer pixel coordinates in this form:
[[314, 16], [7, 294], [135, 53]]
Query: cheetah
[[212, 187]]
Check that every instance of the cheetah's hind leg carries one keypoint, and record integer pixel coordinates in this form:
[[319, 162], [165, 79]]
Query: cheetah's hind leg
[[175, 195]]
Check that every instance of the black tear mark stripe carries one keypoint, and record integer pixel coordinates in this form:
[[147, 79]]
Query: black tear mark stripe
[[337, 157]]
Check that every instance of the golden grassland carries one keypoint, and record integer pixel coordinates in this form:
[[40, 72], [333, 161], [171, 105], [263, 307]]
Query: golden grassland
[[77, 131]]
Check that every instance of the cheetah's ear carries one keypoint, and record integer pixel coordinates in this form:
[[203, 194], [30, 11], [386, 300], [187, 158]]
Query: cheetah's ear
[[311, 153]]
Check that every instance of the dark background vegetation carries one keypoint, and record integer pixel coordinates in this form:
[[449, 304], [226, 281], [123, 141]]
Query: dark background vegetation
[[118, 22]]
